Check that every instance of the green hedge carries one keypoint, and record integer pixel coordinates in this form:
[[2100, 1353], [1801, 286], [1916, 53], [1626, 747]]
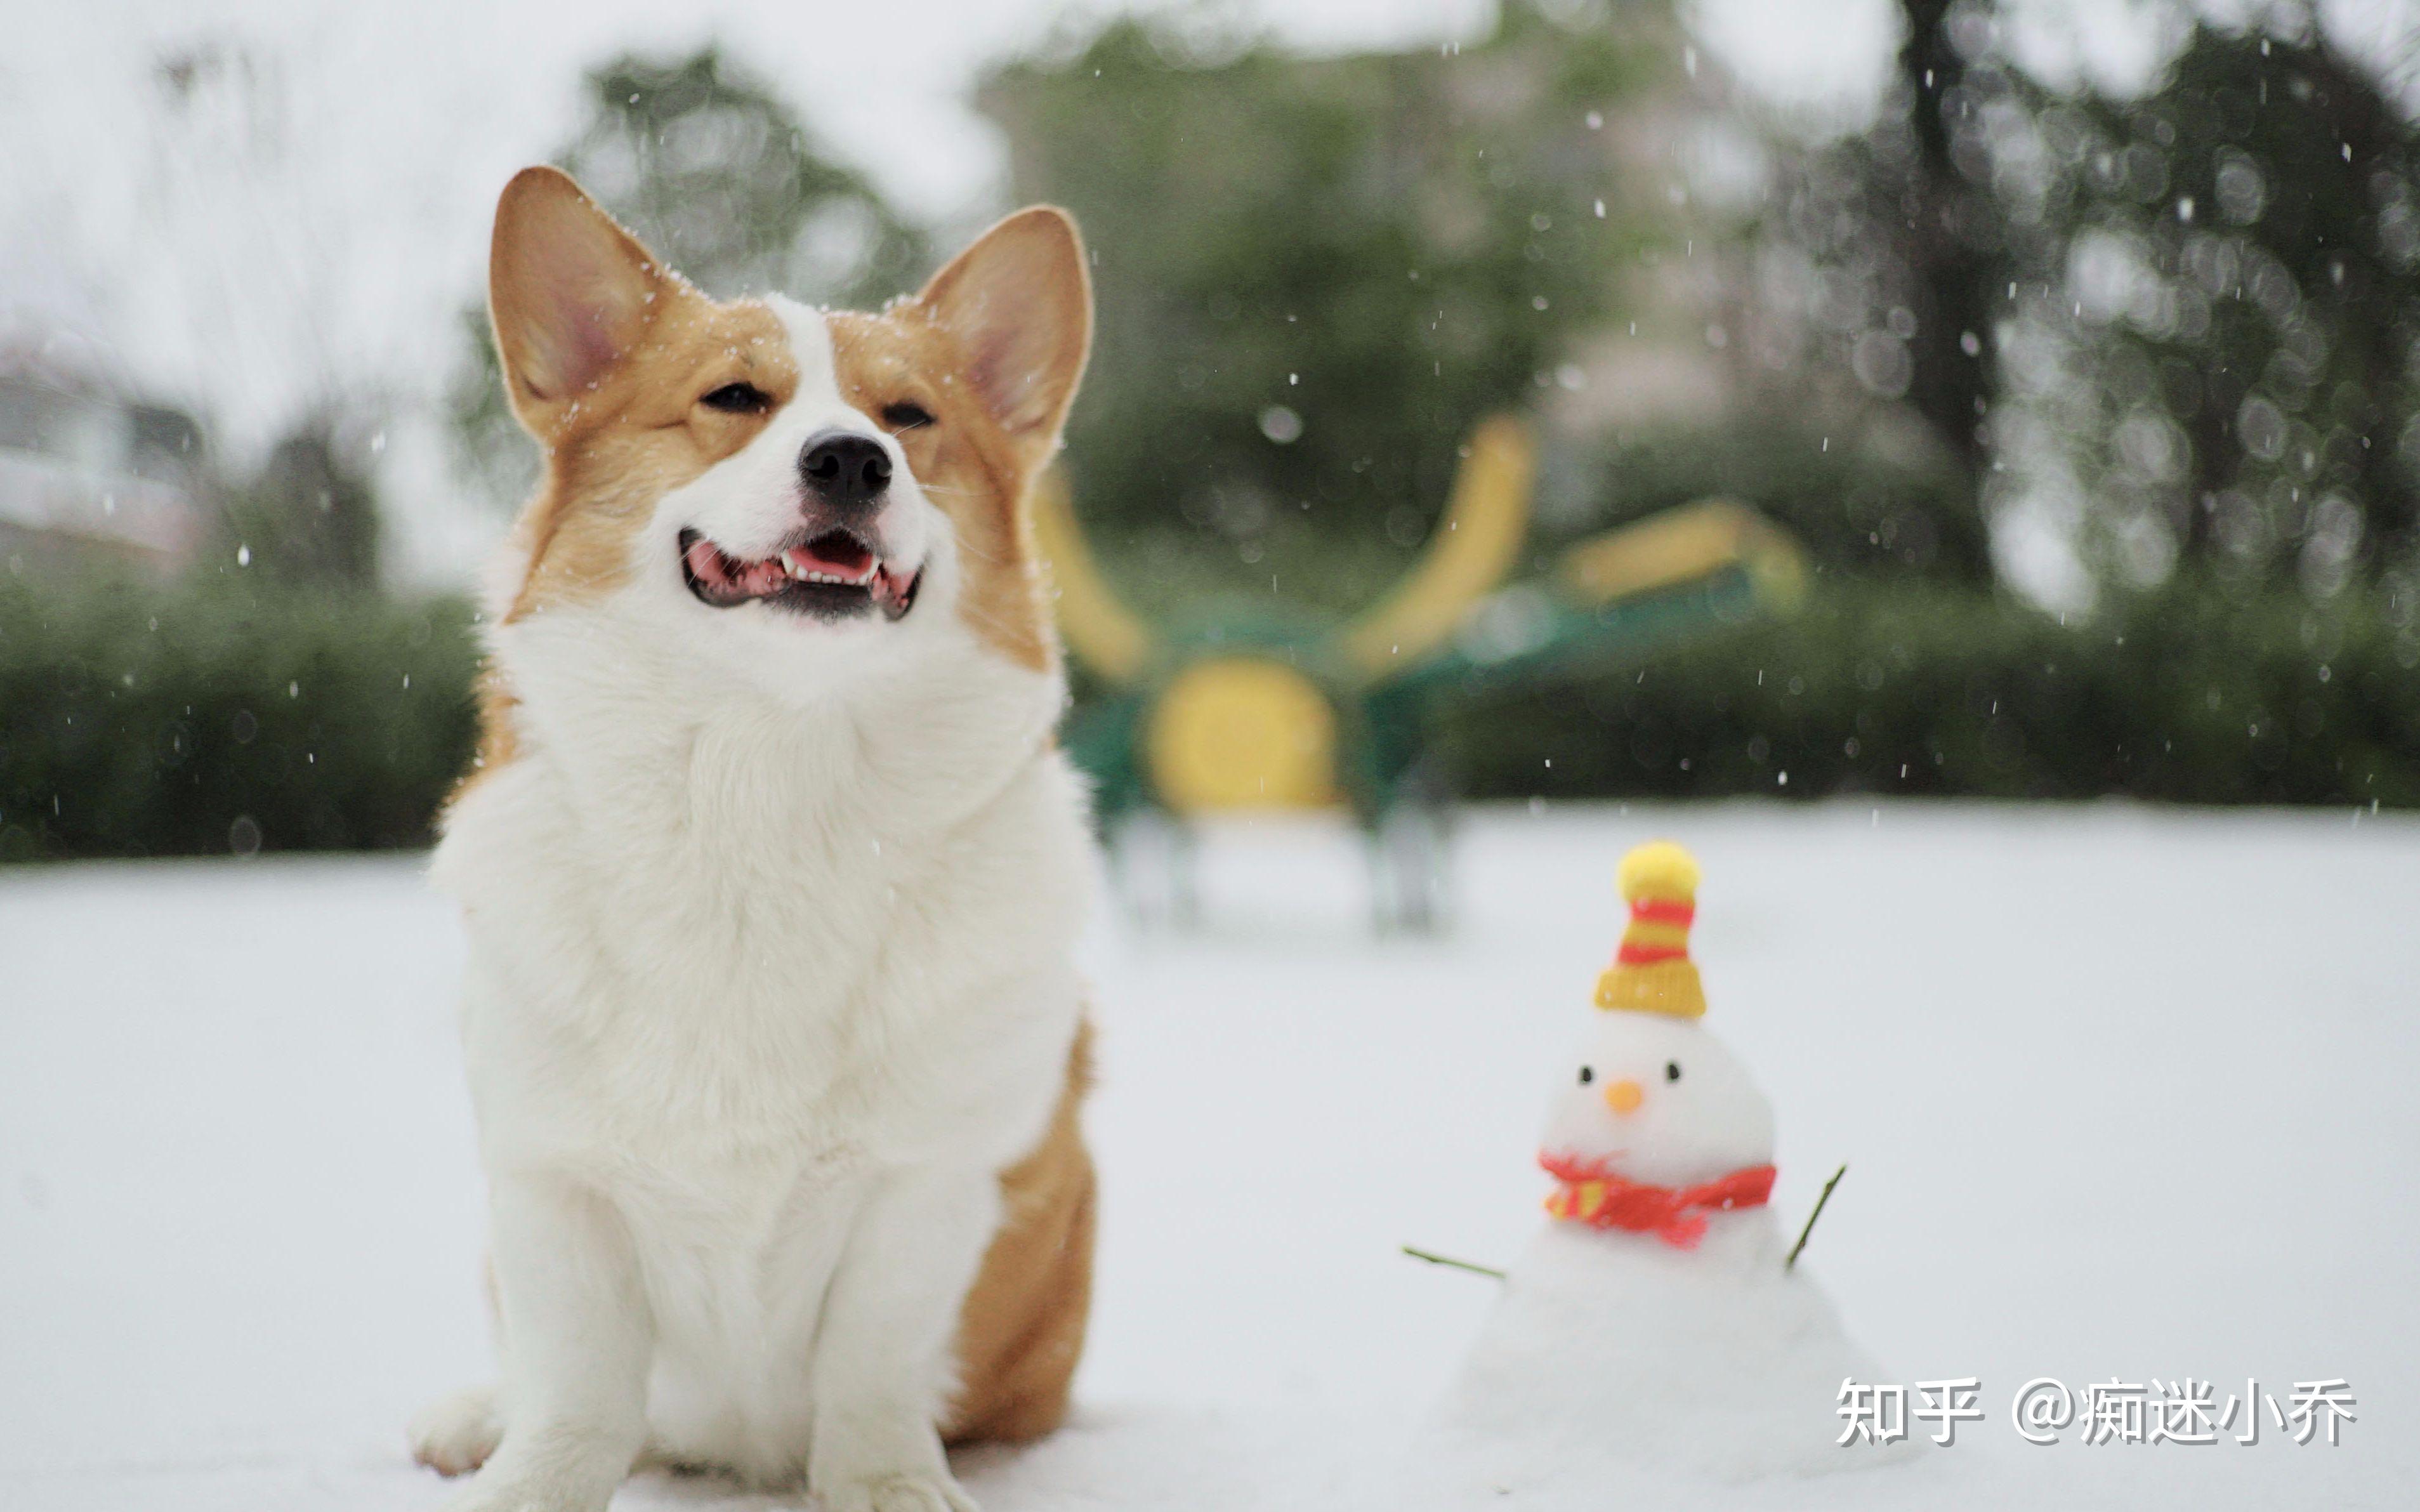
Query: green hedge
[[2193, 695], [142, 720], [137, 720]]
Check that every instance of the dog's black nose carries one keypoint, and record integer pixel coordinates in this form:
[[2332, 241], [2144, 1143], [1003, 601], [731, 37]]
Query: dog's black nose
[[844, 470]]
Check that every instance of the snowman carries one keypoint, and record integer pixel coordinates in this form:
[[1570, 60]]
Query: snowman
[[1652, 1328]]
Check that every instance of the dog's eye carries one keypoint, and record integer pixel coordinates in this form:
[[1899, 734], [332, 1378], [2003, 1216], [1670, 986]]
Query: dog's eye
[[1672, 1071], [1588, 1074], [737, 399], [906, 415]]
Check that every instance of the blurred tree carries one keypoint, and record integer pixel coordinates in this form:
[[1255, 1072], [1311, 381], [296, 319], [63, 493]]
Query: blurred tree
[[1856, 504], [309, 516], [2210, 293], [2245, 276], [1899, 247], [712, 168], [1314, 274], [1956, 241]]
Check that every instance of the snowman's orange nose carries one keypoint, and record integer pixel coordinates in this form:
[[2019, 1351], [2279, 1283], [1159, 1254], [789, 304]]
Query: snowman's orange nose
[[1623, 1096]]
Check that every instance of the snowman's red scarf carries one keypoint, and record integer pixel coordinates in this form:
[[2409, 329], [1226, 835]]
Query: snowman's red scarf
[[1591, 1192]]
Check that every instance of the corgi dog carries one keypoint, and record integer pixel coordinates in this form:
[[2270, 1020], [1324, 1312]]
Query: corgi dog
[[771, 873]]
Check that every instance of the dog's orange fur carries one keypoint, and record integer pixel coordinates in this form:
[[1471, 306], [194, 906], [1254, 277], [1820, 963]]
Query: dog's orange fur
[[966, 464], [1022, 1329], [618, 416]]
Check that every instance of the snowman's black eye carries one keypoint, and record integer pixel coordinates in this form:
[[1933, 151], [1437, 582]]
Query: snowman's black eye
[[1588, 1074], [1672, 1071]]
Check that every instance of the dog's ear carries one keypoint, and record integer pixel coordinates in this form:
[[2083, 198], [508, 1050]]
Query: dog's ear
[[569, 291], [1019, 305]]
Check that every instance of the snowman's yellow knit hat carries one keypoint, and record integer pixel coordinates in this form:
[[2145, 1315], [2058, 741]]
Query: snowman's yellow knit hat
[[1653, 973]]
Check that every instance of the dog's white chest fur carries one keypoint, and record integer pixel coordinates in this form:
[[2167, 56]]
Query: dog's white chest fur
[[734, 960]]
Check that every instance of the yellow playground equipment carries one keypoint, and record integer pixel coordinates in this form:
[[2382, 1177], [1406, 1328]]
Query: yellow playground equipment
[[1262, 710]]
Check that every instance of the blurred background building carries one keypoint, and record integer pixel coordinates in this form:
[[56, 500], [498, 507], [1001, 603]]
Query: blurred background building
[[89, 475]]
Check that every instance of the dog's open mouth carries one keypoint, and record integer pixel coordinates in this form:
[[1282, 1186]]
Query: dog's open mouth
[[830, 576]]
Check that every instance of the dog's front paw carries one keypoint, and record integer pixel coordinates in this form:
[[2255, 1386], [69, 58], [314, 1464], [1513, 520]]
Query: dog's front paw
[[490, 1495], [490, 1492], [909, 1492], [567, 1468], [455, 1436]]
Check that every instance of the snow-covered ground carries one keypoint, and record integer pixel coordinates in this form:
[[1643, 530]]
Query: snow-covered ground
[[2125, 1094]]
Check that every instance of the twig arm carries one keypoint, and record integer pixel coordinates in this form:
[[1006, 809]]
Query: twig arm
[[1458, 1265], [1820, 1201]]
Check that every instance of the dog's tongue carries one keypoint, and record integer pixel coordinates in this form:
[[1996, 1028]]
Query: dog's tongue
[[706, 562], [729, 574], [834, 558], [833, 553]]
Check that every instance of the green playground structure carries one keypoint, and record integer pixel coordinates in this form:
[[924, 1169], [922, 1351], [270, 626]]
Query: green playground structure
[[1262, 709]]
